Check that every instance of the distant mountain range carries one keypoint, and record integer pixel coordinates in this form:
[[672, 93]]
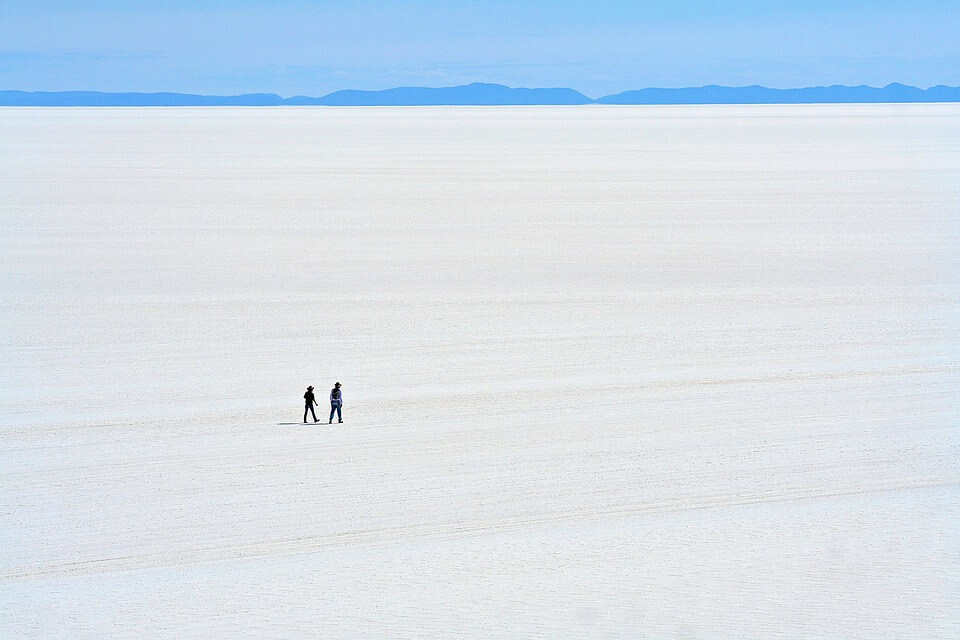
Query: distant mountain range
[[762, 95], [493, 94], [471, 94]]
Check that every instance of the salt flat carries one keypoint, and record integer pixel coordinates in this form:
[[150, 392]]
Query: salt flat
[[608, 372]]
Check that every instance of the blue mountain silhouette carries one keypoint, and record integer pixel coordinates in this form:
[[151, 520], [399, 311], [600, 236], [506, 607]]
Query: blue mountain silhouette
[[477, 93], [714, 94], [496, 94], [101, 99]]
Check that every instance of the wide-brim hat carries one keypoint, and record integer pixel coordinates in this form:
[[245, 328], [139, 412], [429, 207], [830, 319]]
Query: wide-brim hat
[[337, 384], [309, 387]]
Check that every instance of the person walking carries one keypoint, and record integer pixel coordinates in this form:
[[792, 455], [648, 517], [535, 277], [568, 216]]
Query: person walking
[[310, 400], [336, 401]]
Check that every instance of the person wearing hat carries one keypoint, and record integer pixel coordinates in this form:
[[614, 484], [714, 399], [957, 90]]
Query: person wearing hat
[[336, 401], [310, 400]]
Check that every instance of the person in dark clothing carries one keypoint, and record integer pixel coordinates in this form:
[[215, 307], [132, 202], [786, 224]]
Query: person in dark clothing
[[336, 401], [310, 400]]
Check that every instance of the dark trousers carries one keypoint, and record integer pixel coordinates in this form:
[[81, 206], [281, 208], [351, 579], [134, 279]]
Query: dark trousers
[[335, 408], [309, 408]]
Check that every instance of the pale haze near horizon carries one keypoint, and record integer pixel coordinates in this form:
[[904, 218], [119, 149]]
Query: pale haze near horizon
[[623, 372], [295, 47]]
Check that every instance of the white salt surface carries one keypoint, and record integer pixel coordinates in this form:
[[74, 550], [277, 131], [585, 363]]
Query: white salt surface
[[609, 372]]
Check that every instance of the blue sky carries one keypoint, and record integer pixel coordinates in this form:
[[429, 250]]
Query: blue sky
[[293, 47]]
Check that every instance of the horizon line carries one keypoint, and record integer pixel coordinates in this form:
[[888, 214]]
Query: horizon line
[[488, 93], [475, 83]]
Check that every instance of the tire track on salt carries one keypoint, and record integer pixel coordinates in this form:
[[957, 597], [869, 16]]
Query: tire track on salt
[[305, 545]]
